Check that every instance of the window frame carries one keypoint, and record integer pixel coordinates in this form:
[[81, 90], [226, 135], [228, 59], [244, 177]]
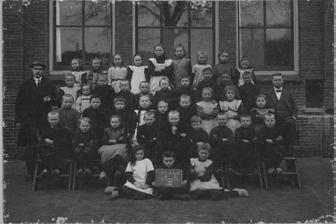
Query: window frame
[[294, 35], [214, 29], [52, 38]]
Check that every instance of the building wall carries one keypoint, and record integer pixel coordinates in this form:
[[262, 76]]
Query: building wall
[[26, 36]]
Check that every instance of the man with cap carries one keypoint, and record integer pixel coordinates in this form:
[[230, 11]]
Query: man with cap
[[34, 100]]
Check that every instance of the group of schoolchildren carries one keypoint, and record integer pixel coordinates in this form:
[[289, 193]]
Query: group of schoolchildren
[[201, 119]]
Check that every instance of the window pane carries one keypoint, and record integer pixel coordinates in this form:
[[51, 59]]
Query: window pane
[[252, 45], [279, 49], [148, 14], [251, 13], [172, 37], [201, 39], [98, 43], [202, 18], [279, 12], [97, 13], [147, 39], [68, 45], [68, 12]]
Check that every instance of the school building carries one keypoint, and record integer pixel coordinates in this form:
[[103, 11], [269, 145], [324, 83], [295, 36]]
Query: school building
[[294, 37]]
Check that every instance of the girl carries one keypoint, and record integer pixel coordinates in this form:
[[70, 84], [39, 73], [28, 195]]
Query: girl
[[197, 70], [83, 101], [105, 92], [77, 70], [137, 73], [92, 76], [232, 107], [207, 109], [223, 66], [139, 175], [85, 147], [181, 64], [70, 87], [159, 67], [116, 73], [114, 153], [165, 93], [237, 76]]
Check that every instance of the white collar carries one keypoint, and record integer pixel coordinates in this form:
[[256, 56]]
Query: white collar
[[277, 88]]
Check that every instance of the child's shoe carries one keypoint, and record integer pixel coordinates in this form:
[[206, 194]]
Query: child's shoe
[[102, 175], [241, 192], [114, 195], [278, 170], [270, 170], [109, 189]]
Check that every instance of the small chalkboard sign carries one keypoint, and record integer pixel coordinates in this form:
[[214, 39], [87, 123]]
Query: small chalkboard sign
[[169, 177]]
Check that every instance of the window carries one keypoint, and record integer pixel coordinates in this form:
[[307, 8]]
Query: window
[[266, 34], [182, 22], [82, 29]]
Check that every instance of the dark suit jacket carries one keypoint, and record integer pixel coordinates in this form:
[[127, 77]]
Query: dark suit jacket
[[285, 108]]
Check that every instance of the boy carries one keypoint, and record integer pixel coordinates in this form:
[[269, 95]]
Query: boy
[[104, 92], [68, 116], [248, 91], [259, 112], [165, 193], [245, 156], [271, 142], [221, 139], [222, 81], [147, 136], [97, 116], [186, 110], [57, 146], [165, 93], [186, 88], [144, 90], [285, 108], [125, 92], [162, 115]]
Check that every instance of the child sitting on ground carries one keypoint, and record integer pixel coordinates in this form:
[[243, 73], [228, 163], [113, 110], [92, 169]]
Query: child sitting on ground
[[271, 141], [245, 151], [70, 87], [139, 174], [85, 147], [248, 92], [147, 135], [113, 154], [56, 142], [207, 109], [168, 161], [68, 116], [186, 110], [83, 101]]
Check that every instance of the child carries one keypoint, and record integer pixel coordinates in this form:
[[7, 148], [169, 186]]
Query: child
[[159, 67], [186, 110], [139, 174], [237, 77], [203, 183], [92, 76], [185, 88], [83, 101], [77, 70], [145, 104], [208, 81], [97, 116], [57, 141], [197, 134], [248, 91], [113, 153], [70, 87], [104, 92], [168, 161], [222, 142], [165, 93], [162, 115], [147, 135], [286, 111], [271, 140], [128, 117], [137, 73], [207, 109], [67, 115], [232, 107], [258, 113], [197, 69], [181, 64], [85, 147], [116, 73], [223, 66], [245, 153], [144, 90], [125, 92], [223, 81]]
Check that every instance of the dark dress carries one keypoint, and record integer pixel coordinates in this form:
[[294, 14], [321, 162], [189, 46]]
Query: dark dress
[[245, 152]]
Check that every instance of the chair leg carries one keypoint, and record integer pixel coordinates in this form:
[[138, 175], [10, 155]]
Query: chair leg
[[260, 176], [70, 175], [74, 177], [35, 179], [298, 179], [264, 175]]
